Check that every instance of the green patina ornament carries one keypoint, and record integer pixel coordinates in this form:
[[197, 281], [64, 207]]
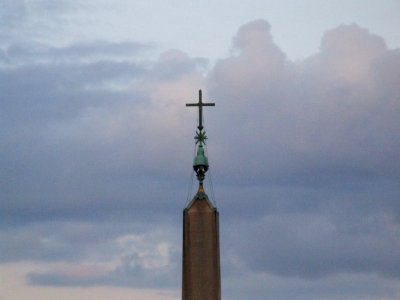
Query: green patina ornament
[[200, 159], [200, 164]]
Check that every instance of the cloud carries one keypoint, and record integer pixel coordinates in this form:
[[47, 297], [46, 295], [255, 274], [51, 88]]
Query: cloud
[[17, 287], [12, 12], [256, 62], [28, 52], [314, 138], [348, 52], [344, 286], [60, 120], [304, 158], [136, 260], [309, 246], [95, 253], [307, 116], [33, 20]]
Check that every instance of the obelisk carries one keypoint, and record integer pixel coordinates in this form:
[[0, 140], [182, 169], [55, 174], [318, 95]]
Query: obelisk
[[201, 276]]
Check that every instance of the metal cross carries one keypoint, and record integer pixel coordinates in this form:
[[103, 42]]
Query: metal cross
[[200, 104]]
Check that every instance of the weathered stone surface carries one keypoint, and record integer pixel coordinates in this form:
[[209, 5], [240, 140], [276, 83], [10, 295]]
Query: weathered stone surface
[[201, 278]]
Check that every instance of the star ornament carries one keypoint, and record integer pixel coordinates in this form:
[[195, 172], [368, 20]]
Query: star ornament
[[200, 137]]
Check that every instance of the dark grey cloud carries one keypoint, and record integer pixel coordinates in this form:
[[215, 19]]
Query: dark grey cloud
[[312, 246], [42, 92], [78, 137], [95, 50], [339, 287]]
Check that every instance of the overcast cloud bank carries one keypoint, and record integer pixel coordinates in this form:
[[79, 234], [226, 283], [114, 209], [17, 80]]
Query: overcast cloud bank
[[96, 149]]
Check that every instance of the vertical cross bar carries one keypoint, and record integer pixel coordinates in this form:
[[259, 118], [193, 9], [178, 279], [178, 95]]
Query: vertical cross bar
[[200, 104]]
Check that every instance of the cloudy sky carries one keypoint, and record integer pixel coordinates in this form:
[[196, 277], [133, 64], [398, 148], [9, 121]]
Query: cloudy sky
[[96, 146]]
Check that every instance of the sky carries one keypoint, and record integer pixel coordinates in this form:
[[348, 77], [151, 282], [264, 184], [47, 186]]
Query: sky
[[96, 146]]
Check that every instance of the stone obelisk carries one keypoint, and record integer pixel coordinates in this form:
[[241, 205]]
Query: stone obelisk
[[201, 276]]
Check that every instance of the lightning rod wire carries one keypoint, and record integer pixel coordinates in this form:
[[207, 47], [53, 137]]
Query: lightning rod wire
[[210, 181], [190, 185]]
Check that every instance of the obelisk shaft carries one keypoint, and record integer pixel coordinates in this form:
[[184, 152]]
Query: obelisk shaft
[[201, 278]]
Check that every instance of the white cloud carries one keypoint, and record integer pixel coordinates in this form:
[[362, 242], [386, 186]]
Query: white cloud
[[14, 287], [327, 111]]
